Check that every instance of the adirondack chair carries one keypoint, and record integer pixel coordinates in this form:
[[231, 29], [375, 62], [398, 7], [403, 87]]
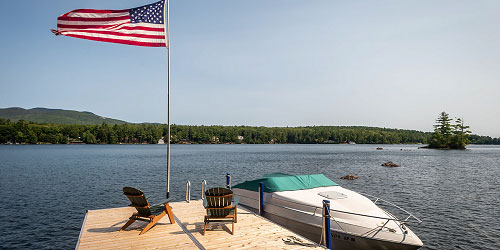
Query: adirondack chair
[[220, 207], [145, 212]]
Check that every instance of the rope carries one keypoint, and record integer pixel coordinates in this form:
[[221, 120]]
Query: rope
[[296, 241]]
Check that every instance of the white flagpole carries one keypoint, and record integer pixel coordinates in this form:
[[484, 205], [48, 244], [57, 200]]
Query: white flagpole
[[167, 38]]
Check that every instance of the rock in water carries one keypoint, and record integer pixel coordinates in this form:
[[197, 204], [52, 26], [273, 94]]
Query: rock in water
[[379, 148], [390, 164], [349, 177]]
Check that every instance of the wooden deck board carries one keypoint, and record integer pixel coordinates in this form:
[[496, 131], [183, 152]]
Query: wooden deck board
[[101, 231]]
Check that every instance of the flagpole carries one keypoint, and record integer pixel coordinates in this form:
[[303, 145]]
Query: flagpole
[[167, 38]]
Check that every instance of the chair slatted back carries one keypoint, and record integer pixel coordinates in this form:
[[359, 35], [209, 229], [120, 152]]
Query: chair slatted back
[[138, 200], [218, 198]]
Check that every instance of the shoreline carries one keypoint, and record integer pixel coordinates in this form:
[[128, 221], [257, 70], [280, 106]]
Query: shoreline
[[346, 144]]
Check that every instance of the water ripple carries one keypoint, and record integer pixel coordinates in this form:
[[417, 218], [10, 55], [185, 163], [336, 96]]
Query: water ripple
[[48, 188]]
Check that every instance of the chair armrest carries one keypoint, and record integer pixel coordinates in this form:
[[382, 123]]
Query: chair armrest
[[156, 205], [162, 204]]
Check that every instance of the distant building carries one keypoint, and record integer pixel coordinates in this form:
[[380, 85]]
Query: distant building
[[161, 141], [240, 137]]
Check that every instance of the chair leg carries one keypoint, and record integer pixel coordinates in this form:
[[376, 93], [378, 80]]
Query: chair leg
[[205, 228], [236, 215], [232, 232], [169, 213], [152, 222], [147, 227], [129, 222]]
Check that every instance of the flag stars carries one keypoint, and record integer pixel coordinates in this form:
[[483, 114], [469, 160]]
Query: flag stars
[[152, 13]]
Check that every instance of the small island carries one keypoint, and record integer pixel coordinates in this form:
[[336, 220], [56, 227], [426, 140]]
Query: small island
[[449, 136]]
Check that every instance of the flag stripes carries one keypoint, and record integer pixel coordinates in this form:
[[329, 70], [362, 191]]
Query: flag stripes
[[142, 26]]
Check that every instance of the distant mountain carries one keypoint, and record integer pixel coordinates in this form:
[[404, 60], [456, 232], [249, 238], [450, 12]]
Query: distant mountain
[[57, 116]]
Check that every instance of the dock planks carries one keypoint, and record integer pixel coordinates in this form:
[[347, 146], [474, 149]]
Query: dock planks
[[100, 230]]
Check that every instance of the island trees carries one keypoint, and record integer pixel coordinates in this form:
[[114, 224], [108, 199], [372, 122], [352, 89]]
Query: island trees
[[461, 134], [449, 136]]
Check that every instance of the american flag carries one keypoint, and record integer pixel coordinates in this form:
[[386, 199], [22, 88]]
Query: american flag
[[142, 26]]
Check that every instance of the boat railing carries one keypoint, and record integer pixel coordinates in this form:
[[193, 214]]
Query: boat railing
[[408, 214], [351, 213], [316, 209]]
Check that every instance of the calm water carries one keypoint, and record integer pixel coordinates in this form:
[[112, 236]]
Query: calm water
[[46, 189]]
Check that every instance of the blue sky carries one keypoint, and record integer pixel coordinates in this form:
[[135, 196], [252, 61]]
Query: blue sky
[[394, 64]]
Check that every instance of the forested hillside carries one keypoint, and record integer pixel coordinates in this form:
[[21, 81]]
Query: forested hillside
[[56, 116], [32, 133]]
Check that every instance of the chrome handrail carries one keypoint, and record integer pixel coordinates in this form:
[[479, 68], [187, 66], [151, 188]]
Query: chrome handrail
[[188, 191], [396, 206], [333, 210], [203, 188]]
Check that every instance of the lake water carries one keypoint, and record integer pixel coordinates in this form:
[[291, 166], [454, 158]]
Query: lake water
[[46, 189]]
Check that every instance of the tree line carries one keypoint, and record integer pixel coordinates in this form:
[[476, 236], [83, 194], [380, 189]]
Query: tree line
[[23, 132]]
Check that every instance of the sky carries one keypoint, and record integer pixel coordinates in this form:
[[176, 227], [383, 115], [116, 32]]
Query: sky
[[394, 64]]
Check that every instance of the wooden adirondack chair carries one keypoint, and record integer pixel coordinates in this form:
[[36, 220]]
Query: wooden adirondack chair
[[220, 207], [145, 212]]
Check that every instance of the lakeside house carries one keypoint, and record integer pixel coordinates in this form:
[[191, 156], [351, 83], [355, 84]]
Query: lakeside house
[[161, 140]]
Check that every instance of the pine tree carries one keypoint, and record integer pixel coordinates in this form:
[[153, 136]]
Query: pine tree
[[460, 134], [442, 132]]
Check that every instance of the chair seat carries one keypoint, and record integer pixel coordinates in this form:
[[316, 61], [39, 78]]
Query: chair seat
[[217, 214], [157, 209]]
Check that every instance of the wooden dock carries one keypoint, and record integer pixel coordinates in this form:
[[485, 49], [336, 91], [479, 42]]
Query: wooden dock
[[100, 230]]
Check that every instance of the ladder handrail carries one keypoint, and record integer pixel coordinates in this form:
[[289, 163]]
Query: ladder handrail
[[203, 188], [188, 191]]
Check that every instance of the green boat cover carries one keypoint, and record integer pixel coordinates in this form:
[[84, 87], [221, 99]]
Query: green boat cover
[[277, 182]]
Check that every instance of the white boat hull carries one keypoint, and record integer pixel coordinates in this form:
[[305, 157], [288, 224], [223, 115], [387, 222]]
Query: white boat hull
[[300, 211]]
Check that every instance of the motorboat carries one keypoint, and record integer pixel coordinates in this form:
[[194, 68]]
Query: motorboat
[[357, 222]]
